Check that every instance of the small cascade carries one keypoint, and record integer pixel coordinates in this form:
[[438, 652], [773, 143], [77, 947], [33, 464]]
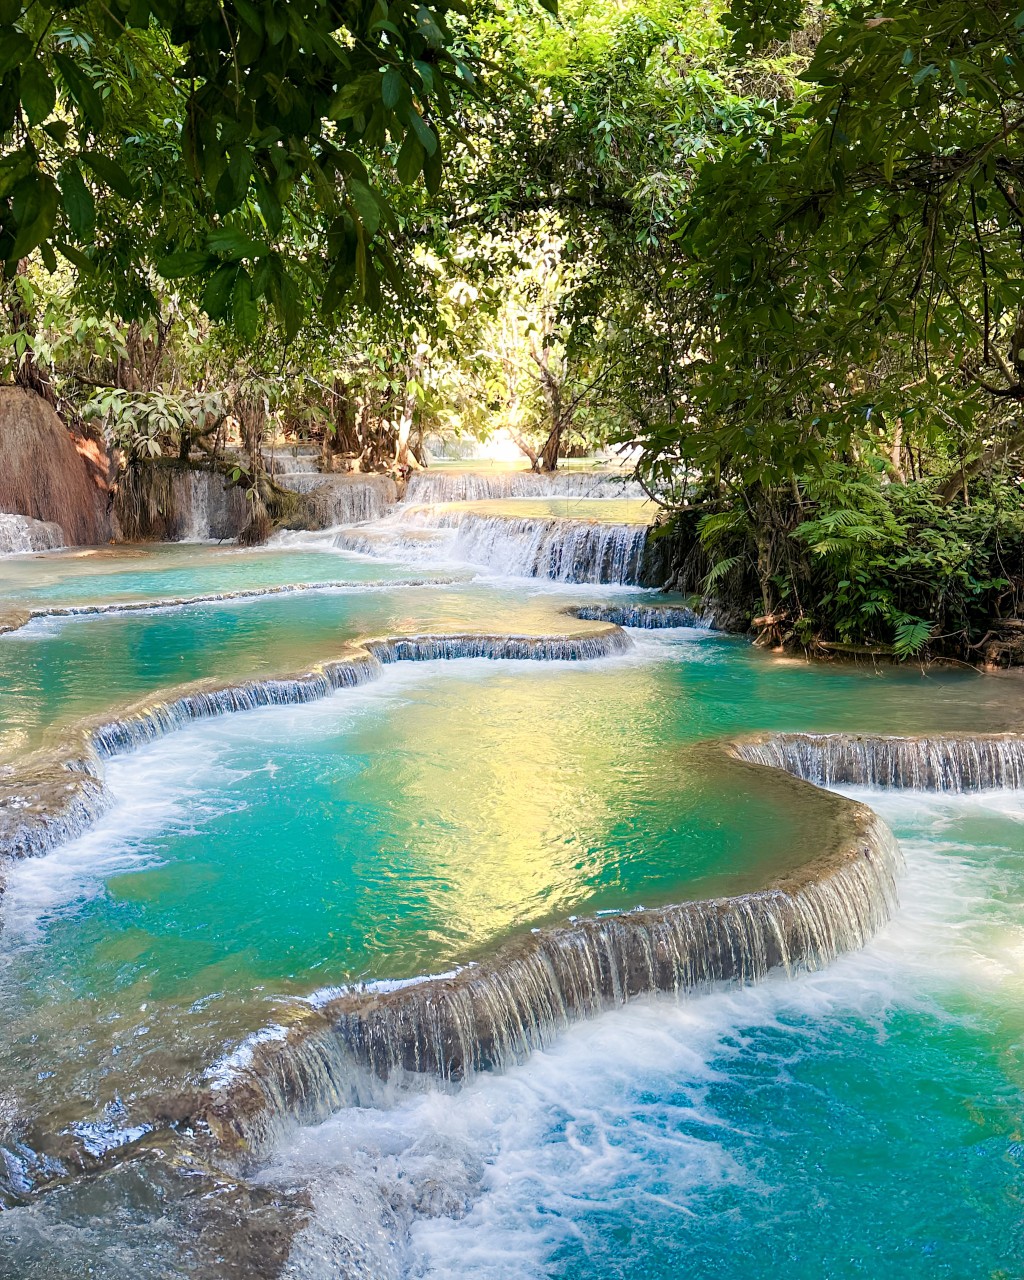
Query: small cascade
[[491, 1015], [565, 550], [950, 762], [202, 507], [191, 506], [300, 460], [648, 617], [581, 648], [432, 486], [21, 534], [343, 499]]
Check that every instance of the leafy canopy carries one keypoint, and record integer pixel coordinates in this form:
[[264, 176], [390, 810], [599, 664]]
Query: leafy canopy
[[228, 142]]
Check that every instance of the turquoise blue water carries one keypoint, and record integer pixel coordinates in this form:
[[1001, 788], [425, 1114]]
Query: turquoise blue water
[[862, 1122], [167, 570], [866, 1121]]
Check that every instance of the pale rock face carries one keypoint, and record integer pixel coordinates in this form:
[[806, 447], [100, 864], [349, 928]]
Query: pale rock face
[[21, 534]]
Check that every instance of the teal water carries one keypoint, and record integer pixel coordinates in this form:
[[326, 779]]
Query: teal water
[[56, 670], [167, 570], [867, 1121]]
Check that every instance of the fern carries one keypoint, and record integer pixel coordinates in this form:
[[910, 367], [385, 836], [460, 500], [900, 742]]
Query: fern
[[720, 570], [912, 634]]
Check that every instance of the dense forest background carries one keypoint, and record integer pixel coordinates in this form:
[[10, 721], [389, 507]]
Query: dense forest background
[[771, 251]]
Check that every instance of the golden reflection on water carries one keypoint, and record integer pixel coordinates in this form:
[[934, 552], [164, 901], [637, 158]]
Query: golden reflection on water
[[500, 809]]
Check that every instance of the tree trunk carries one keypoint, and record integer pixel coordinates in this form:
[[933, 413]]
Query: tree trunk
[[996, 453], [897, 452], [552, 445]]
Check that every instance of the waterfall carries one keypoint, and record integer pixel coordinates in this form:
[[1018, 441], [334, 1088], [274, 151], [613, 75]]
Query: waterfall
[[468, 486], [649, 617], [947, 762], [203, 507], [565, 550], [297, 461], [491, 1015], [343, 499], [22, 534]]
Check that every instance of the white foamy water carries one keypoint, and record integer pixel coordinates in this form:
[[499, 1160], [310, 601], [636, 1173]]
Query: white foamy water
[[618, 1119]]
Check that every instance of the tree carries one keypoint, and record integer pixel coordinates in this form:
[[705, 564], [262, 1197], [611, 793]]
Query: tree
[[851, 267]]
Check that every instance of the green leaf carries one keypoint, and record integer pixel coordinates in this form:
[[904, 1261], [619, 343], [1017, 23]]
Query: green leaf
[[288, 304], [426, 135], [366, 206], [38, 92], [353, 97], [34, 205], [428, 28], [392, 88], [426, 74], [15, 48], [269, 204], [184, 263], [58, 130], [433, 171], [217, 293], [78, 200], [75, 256], [236, 245], [110, 172], [10, 12], [410, 159], [244, 311], [277, 24], [250, 15], [81, 89]]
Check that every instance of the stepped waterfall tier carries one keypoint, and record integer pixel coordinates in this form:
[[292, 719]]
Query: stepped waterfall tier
[[424, 896], [468, 486], [492, 1015], [931, 763]]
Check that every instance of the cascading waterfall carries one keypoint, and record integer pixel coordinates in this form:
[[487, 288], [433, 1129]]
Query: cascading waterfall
[[648, 617], [947, 762], [564, 550], [203, 507], [343, 499], [191, 506], [21, 534], [491, 1015], [467, 486], [294, 462]]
